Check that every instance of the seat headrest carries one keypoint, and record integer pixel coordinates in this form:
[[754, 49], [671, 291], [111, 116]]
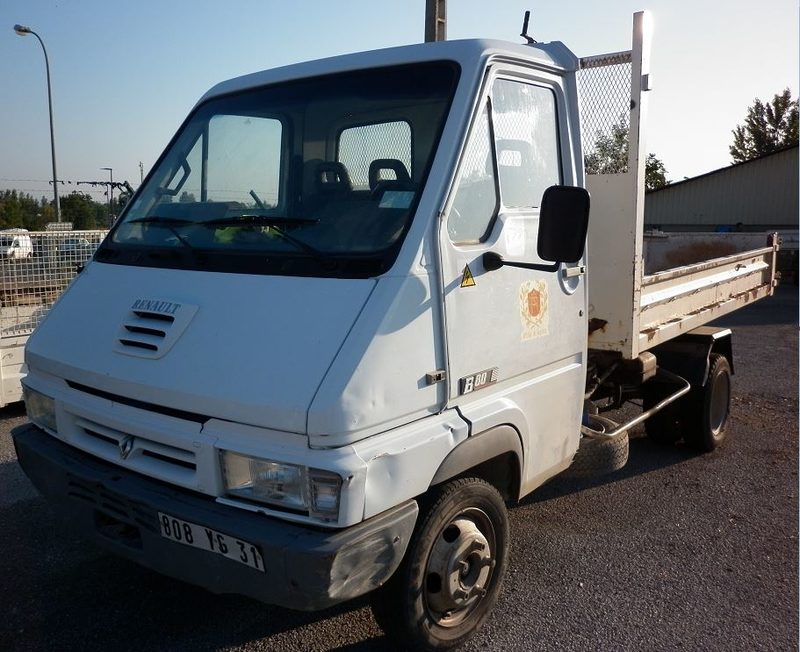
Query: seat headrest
[[396, 166], [519, 153], [332, 175]]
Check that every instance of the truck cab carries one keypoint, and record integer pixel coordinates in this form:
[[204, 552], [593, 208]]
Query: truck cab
[[291, 321]]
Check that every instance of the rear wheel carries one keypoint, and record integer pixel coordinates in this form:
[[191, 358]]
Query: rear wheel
[[451, 575], [709, 407]]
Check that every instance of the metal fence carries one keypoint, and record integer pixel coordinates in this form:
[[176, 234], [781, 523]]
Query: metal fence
[[604, 83], [35, 268]]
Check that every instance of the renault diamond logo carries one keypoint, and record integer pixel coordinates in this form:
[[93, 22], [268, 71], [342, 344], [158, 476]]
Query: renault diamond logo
[[125, 447]]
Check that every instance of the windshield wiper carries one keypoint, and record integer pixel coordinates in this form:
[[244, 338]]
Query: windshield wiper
[[273, 223], [242, 221], [168, 223], [157, 219], [258, 220]]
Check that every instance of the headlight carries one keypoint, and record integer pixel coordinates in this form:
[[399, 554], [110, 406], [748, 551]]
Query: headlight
[[41, 409], [290, 486]]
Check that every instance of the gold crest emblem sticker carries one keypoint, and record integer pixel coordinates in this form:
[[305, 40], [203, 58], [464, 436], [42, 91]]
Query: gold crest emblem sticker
[[533, 309]]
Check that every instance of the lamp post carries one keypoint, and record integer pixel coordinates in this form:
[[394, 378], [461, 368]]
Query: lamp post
[[110, 195], [23, 31]]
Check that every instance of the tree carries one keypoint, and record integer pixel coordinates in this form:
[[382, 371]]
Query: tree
[[610, 156], [768, 127], [21, 210], [655, 174], [78, 208], [610, 153]]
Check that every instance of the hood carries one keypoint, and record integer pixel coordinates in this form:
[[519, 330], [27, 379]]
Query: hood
[[243, 348]]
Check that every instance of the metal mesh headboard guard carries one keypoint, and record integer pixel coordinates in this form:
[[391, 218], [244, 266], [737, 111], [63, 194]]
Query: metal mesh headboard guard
[[604, 85]]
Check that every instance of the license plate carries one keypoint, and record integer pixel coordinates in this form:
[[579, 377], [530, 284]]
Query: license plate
[[200, 536]]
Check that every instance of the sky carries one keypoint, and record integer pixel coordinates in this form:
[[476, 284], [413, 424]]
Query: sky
[[125, 74]]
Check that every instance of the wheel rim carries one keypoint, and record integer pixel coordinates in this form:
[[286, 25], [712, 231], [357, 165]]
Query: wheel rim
[[460, 568], [720, 402]]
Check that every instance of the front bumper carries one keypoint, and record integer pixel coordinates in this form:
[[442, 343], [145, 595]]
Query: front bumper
[[306, 568]]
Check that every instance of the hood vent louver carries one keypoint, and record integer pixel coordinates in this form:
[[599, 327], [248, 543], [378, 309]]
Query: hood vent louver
[[150, 333]]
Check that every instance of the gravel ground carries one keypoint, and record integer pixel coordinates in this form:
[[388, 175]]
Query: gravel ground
[[677, 551]]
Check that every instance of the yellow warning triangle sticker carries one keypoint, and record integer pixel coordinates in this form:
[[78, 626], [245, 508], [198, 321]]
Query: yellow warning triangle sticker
[[467, 279]]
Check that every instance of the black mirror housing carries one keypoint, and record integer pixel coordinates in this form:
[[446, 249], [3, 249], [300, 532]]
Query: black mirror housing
[[563, 224]]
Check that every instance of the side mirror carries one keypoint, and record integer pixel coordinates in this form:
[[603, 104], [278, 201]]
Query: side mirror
[[563, 224]]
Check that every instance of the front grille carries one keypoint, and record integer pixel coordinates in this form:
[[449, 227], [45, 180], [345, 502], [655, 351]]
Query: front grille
[[139, 453]]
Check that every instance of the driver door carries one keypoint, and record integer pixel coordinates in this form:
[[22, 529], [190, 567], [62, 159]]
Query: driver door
[[516, 339]]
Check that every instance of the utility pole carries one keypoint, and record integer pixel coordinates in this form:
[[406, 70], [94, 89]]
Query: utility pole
[[435, 20], [22, 30], [141, 173]]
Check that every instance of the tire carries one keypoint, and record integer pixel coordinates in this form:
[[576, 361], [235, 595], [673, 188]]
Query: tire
[[663, 427], [705, 425], [600, 456], [452, 572]]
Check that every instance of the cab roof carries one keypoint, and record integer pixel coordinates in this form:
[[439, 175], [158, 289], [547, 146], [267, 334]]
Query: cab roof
[[467, 53]]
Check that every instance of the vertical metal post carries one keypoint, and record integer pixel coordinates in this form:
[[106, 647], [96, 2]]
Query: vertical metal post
[[435, 20], [110, 195], [640, 84]]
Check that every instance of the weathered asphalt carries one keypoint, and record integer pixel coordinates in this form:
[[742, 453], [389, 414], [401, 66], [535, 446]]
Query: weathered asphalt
[[677, 551]]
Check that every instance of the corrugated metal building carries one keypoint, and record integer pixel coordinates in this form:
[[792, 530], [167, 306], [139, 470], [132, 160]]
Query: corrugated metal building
[[761, 194]]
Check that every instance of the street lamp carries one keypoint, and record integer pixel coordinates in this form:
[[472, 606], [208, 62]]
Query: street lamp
[[110, 195], [23, 31]]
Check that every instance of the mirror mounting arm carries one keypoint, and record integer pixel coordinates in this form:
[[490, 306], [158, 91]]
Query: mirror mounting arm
[[493, 261]]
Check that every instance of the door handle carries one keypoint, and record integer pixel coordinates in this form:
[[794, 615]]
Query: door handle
[[571, 272]]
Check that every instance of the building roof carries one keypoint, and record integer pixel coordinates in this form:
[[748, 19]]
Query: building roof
[[718, 170]]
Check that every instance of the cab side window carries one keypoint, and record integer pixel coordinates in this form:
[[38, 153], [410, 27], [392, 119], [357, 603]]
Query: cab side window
[[512, 150], [526, 140], [475, 203]]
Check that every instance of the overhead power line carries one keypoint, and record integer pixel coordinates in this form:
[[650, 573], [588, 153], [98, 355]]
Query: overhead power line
[[119, 185], [39, 191]]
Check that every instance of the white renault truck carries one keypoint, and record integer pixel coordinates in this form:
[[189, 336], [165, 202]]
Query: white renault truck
[[353, 312]]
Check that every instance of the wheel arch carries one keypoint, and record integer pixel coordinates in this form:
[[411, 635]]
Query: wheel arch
[[494, 455], [689, 355]]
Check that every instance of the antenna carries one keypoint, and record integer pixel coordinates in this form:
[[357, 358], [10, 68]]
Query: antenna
[[524, 33]]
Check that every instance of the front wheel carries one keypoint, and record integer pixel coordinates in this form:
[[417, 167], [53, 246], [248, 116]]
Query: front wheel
[[451, 575]]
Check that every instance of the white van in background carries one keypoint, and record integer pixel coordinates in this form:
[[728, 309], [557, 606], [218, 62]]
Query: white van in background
[[15, 243]]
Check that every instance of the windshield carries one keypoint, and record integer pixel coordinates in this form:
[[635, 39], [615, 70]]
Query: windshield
[[312, 177]]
